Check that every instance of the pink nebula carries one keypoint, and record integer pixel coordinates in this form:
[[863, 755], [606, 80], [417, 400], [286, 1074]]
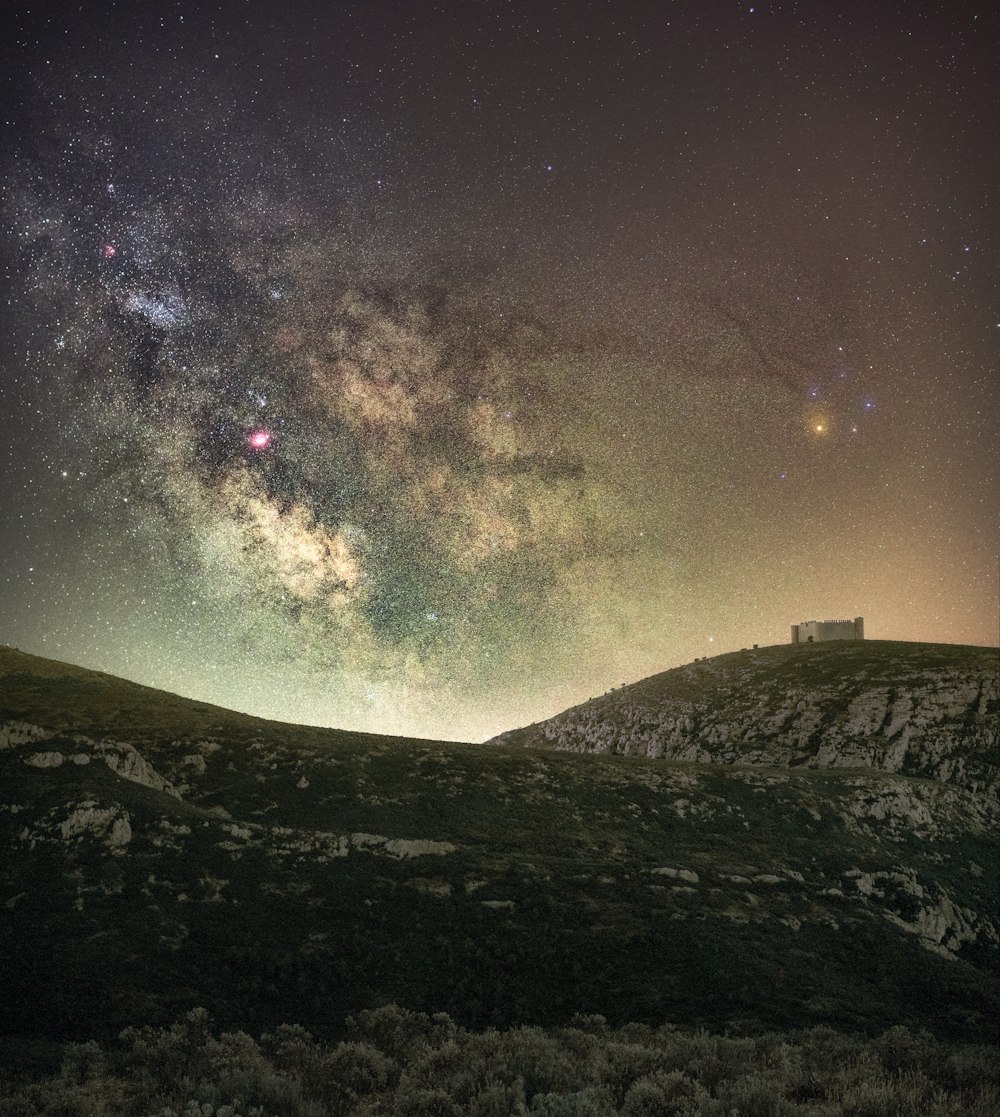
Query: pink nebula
[[109, 251], [259, 439]]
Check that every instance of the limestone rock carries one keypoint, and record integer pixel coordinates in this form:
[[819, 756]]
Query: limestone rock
[[21, 733], [45, 759], [677, 874], [402, 848], [417, 847], [109, 824], [126, 760]]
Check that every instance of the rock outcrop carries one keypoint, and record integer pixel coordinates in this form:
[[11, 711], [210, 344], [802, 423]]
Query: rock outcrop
[[109, 824], [21, 733], [122, 758], [919, 710]]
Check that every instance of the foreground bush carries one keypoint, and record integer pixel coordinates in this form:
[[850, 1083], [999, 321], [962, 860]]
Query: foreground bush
[[396, 1063]]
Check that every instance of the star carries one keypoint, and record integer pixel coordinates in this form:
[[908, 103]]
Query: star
[[310, 398]]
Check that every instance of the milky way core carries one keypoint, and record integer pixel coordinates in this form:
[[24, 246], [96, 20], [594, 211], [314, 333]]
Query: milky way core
[[420, 373]]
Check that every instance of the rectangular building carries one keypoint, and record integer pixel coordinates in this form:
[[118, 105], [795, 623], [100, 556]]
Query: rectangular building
[[817, 632]]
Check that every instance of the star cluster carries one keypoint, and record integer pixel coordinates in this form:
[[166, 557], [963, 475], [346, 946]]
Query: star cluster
[[428, 371]]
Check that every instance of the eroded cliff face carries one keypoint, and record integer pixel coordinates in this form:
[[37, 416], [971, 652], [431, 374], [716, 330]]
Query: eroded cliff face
[[930, 711]]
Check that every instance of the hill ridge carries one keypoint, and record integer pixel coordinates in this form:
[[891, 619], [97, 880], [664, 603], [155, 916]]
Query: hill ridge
[[928, 710]]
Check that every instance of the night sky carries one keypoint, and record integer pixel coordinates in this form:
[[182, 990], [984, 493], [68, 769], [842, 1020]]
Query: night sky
[[431, 367]]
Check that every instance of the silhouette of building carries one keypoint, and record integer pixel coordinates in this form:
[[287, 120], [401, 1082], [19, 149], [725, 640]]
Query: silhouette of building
[[817, 632]]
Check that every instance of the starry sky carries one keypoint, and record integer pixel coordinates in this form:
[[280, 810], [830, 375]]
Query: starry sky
[[427, 368]]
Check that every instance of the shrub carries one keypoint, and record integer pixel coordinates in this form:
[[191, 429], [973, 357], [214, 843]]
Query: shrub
[[496, 1099], [292, 1050], [167, 1056], [592, 1102], [971, 1067], [755, 1095], [540, 1061], [593, 1023], [664, 1094], [424, 1103], [900, 1049], [713, 1060], [453, 1065], [399, 1033], [626, 1064], [360, 1067]]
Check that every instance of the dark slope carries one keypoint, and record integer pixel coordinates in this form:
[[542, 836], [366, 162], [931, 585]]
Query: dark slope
[[78, 700], [162, 854]]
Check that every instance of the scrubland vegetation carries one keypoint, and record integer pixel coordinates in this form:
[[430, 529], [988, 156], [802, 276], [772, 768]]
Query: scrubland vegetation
[[404, 1064]]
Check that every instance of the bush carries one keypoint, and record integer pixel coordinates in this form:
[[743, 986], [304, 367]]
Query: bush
[[900, 1049], [664, 1094], [626, 1064], [399, 1033], [496, 1099], [453, 1064], [425, 1103], [292, 1050], [361, 1068], [592, 1102], [755, 1095], [540, 1061]]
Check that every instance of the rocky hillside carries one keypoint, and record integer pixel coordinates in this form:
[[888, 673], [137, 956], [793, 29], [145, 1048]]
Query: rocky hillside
[[929, 710], [161, 854]]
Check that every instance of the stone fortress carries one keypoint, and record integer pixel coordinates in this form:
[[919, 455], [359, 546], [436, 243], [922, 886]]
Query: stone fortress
[[816, 632]]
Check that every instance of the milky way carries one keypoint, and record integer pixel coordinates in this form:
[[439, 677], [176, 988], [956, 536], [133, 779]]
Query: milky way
[[336, 407]]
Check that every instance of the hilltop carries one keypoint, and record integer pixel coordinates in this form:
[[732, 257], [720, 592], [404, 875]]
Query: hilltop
[[164, 854], [929, 710]]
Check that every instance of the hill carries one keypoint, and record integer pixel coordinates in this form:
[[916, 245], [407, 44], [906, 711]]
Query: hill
[[163, 854], [929, 710]]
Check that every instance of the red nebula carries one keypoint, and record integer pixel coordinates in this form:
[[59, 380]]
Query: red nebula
[[259, 439], [109, 251]]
